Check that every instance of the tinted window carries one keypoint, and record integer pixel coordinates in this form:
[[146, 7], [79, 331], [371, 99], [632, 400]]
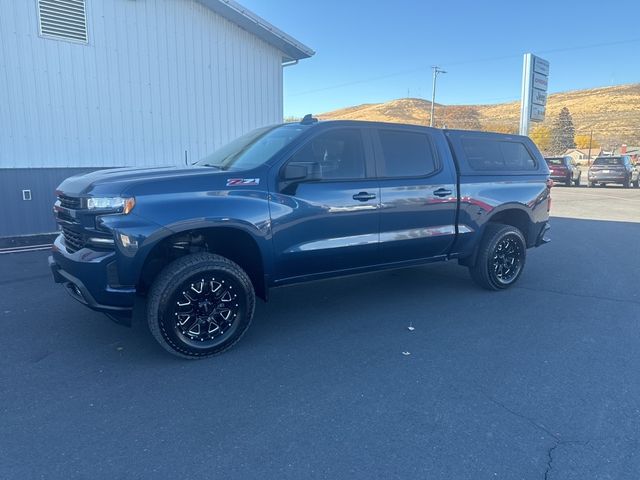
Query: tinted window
[[608, 161], [406, 154], [338, 153], [488, 154], [554, 161]]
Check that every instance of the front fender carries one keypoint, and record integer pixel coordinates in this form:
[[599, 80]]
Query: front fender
[[157, 217]]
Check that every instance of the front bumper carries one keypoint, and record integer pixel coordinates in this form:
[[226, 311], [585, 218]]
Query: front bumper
[[88, 277]]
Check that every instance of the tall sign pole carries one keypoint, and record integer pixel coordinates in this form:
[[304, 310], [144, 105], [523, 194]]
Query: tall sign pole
[[535, 83]]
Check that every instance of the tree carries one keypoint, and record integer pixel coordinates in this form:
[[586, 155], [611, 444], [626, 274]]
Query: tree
[[582, 141], [562, 133], [541, 136]]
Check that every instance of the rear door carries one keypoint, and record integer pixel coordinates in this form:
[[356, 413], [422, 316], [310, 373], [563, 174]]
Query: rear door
[[418, 197], [328, 223]]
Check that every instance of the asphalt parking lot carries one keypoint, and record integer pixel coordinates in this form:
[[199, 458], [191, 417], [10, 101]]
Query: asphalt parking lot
[[538, 382]]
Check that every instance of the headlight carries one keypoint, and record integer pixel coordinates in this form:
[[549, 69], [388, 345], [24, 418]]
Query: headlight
[[112, 204]]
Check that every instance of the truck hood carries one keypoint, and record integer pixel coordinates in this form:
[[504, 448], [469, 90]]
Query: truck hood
[[117, 181]]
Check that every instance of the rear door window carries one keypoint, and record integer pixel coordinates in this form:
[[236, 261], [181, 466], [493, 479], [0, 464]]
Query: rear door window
[[490, 154], [406, 154]]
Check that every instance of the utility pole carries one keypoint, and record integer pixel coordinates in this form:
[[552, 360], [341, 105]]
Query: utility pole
[[589, 155], [436, 72]]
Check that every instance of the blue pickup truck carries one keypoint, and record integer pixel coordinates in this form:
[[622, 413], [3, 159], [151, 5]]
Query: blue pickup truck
[[292, 203]]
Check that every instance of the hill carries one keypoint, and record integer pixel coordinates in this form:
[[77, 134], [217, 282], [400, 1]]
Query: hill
[[612, 112]]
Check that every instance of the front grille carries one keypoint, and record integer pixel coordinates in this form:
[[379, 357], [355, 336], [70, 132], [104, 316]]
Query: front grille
[[73, 240], [73, 203]]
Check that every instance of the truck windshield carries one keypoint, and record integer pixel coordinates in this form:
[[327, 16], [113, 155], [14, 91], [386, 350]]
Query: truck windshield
[[608, 161], [252, 149]]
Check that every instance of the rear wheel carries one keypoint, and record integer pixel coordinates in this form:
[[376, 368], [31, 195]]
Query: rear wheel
[[501, 257], [626, 184], [200, 305]]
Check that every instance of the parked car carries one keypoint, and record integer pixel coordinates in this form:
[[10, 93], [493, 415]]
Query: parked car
[[292, 203], [565, 170], [605, 170]]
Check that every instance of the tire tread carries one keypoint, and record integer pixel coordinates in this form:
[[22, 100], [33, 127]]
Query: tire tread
[[479, 271], [164, 280]]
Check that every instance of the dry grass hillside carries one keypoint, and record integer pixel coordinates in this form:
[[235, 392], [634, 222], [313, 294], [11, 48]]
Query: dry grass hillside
[[612, 112]]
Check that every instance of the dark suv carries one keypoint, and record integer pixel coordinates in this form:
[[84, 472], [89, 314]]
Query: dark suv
[[605, 170], [291, 203], [565, 170]]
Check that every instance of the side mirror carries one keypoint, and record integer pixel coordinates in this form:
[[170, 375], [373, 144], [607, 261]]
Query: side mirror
[[301, 171], [295, 173]]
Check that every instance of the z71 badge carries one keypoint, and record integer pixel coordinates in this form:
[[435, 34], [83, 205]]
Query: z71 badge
[[240, 182]]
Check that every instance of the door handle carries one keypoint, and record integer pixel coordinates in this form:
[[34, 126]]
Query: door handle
[[442, 192], [364, 196]]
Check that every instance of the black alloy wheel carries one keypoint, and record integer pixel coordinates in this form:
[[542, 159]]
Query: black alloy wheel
[[501, 257], [507, 259], [206, 309], [200, 305]]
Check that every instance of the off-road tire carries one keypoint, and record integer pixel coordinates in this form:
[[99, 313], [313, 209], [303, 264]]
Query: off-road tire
[[172, 280], [482, 272]]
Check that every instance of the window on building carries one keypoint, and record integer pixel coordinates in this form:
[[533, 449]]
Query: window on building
[[406, 154], [339, 154], [63, 19]]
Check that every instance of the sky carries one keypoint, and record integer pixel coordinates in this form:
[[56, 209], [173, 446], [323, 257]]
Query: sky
[[375, 51]]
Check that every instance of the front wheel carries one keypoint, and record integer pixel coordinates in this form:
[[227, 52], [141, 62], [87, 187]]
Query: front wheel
[[501, 257], [200, 305]]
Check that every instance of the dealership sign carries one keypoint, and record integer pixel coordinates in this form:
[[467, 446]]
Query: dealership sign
[[535, 83]]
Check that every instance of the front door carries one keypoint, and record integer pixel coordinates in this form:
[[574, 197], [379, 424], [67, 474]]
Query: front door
[[328, 222]]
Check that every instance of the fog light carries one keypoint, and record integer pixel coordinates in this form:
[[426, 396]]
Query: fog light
[[127, 241]]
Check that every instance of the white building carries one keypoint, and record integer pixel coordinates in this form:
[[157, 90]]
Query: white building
[[89, 84]]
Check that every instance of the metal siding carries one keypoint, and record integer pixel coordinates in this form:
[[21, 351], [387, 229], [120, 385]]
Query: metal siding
[[157, 77], [35, 215]]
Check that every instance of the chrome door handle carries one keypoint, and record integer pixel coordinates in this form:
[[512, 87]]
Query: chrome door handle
[[364, 196], [442, 192]]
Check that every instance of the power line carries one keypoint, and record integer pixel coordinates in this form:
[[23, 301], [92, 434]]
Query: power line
[[463, 62]]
